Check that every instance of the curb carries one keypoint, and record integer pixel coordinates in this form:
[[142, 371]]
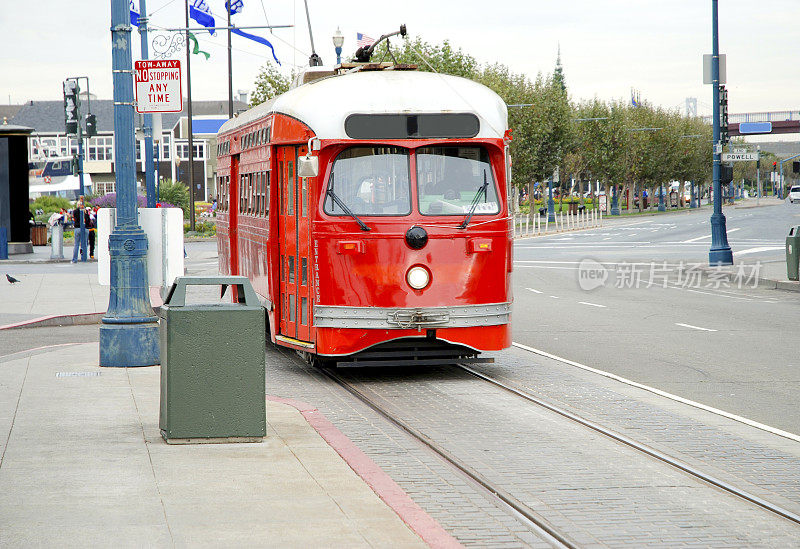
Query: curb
[[40, 261], [79, 319], [416, 518], [768, 283]]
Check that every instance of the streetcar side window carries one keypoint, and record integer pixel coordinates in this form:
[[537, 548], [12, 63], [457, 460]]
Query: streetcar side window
[[370, 181], [266, 193], [451, 178], [290, 176]]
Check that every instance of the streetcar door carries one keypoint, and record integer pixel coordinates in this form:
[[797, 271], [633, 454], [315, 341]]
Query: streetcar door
[[294, 245]]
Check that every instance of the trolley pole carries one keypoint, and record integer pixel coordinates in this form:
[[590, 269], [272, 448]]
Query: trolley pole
[[129, 329], [720, 252]]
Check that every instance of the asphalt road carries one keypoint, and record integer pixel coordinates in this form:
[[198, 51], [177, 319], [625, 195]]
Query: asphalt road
[[723, 344]]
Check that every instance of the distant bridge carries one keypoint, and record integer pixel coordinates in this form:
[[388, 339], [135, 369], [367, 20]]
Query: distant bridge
[[782, 121]]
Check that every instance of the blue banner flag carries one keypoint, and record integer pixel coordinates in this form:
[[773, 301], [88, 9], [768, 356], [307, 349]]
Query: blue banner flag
[[200, 12], [234, 6], [258, 39], [134, 15]]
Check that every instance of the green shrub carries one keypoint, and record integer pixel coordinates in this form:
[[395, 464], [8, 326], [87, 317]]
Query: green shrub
[[50, 204], [175, 192]]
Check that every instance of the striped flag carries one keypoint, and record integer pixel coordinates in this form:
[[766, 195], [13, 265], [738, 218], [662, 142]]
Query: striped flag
[[362, 40]]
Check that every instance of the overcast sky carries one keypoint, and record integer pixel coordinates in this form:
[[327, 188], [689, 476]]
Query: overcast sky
[[607, 46]]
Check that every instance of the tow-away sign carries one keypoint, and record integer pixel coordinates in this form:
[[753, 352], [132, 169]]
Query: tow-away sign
[[158, 86]]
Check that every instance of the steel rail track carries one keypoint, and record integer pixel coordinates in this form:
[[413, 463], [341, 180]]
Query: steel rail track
[[513, 506], [652, 452]]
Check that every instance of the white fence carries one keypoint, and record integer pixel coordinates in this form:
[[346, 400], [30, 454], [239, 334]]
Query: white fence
[[539, 224]]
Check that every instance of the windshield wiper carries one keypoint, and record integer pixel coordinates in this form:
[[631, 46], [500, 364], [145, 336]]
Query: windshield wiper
[[346, 210], [475, 200]]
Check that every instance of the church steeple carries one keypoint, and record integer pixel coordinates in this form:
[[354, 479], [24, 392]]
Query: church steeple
[[558, 73]]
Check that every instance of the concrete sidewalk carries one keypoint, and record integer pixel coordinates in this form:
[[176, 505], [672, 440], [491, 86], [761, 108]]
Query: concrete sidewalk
[[83, 464]]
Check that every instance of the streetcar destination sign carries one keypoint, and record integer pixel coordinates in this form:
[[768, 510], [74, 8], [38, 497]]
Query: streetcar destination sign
[[740, 157], [158, 86]]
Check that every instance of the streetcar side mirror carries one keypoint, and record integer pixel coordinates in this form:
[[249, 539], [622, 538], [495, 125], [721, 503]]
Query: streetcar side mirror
[[308, 166]]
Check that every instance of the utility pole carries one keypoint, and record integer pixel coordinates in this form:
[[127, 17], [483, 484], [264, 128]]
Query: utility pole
[[720, 252], [147, 128], [189, 121], [230, 62], [129, 329]]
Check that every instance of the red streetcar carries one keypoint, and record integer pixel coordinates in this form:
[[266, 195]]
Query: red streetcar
[[369, 209]]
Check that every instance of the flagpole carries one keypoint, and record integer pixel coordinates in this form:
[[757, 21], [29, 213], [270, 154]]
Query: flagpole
[[230, 64], [189, 113]]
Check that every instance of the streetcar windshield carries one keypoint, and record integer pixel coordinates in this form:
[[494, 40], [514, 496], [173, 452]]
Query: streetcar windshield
[[450, 180], [370, 181]]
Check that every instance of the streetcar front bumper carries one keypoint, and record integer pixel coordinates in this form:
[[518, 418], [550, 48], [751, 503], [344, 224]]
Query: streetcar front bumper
[[416, 318]]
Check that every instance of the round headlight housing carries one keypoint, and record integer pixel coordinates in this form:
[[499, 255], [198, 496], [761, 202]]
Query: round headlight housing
[[418, 277]]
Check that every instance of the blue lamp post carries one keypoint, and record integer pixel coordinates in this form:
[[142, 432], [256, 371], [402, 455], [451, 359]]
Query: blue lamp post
[[662, 207], [129, 330], [551, 205], [720, 252], [693, 203], [614, 200], [338, 41]]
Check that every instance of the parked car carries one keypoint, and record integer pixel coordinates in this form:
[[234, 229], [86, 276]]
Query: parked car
[[794, 194]]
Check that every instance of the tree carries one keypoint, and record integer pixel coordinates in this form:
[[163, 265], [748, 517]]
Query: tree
[[269, 83]]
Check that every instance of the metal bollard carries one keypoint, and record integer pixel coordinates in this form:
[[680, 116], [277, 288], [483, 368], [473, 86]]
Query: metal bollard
[[57, 241], [3, 243]]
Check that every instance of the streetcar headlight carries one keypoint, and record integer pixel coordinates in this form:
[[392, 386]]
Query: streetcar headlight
[[418, 277]]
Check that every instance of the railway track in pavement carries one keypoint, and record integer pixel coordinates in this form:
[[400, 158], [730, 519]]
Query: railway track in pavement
[[537, 513]]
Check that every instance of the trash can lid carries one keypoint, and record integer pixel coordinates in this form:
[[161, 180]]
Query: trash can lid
[[176, 297]]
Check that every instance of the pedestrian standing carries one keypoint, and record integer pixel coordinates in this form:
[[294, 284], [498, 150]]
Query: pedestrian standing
[[91, 228], [76, 221]]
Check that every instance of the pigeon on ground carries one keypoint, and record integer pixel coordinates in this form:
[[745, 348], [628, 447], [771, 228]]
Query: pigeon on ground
[[11, 279]]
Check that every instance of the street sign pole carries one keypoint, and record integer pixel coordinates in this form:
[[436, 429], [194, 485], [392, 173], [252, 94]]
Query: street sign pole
[[129, 329], [720, 252], [147, 128]]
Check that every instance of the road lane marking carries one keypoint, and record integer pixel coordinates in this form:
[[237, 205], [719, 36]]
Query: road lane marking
[[534, 291], [591, 304], [695, 327], [664, 394], [555, 297], [757, 250], [708, 236], [688, 289]]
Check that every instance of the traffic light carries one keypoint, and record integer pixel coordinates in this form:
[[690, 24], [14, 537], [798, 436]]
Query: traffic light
[[91, 125], [723, 115], [71, 106], [725, 174]]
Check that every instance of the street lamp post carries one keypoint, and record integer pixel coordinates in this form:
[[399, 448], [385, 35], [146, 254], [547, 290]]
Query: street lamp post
[[129, 329], [662, 207], [551, 205], [614, 200], [338, 41], [693, 203], [720, 252]]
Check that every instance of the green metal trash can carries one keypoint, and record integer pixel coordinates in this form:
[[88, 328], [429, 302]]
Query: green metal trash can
[[793, 253], [212, 365]]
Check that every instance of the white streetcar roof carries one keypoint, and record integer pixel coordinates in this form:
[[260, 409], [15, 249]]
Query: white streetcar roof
[[325, 104]]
